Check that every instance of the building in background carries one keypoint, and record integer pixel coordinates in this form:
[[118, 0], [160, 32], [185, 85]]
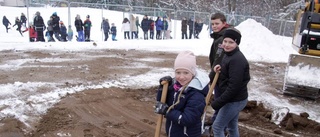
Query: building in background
[[14, 3]]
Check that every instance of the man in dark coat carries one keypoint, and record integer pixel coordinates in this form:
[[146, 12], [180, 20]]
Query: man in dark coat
[[39, 26], [105, 26], [145, 26], [6, 23], [184, 27]]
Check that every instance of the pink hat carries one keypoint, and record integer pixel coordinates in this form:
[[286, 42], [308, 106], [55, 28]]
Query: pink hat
[[186, 60]]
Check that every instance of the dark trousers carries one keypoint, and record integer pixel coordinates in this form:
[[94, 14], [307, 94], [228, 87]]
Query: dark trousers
[[190, 34], [158, 34], [126, 35], [87, 35], [134, 34], [106, 36], [40, 36], [7, 27], [151, 34], [184, 35], [145, 35]]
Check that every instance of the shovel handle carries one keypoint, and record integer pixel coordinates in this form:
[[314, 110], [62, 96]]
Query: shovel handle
[[163, 100], [210, 92]]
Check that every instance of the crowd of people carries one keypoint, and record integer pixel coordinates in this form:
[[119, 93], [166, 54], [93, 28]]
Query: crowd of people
[[55, 30]]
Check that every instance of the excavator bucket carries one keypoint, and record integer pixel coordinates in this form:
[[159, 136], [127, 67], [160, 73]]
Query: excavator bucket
[[302, 76]]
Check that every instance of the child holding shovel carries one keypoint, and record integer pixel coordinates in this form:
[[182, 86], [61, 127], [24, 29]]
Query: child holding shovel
[[185, 100], [232, 85]]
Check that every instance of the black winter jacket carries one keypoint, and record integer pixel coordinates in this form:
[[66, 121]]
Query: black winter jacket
[[38, 23], [5, 21], [55, 22], [215, 58], [79, 25], [145, 24], [184, 25], [233, 79]]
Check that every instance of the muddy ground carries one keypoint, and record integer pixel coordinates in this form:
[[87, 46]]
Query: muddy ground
[[126, 112]]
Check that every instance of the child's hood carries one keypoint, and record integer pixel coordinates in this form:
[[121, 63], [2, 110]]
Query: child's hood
[[200, 81]]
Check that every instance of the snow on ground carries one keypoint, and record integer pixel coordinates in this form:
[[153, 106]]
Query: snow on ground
[[258, 44]]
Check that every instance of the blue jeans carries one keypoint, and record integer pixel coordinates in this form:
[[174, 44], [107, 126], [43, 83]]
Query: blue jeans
[[80, 36], [228, 117]]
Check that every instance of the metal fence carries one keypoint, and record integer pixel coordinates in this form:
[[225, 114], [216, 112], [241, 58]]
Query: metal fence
[[277, 26]]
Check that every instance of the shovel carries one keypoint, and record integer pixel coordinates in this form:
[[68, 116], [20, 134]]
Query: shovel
[[163, 100], [205, 130]]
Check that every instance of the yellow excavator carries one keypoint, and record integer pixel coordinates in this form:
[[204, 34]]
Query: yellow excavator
[[302, 76]]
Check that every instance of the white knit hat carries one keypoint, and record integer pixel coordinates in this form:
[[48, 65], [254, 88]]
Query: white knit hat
[[186, 60]]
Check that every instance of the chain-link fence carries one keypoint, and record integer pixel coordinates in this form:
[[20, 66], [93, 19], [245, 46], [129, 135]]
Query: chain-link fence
[[69, 10]]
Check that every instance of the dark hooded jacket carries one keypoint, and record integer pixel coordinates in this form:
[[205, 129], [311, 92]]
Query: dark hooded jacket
[[5, 21], [185, 118], [55, 22], [233, 79]]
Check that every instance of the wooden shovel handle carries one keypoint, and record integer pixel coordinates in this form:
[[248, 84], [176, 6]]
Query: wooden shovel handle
[[163, 100], [210, 92]]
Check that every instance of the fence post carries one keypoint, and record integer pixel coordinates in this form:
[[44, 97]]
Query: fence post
[[69, 13], [284, 29], [280, 27]]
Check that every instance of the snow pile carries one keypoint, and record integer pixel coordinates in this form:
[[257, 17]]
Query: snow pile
[[259, 44]]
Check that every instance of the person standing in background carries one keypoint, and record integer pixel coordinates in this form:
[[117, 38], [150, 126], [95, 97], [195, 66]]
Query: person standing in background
[[113, 32], [138, 25], [50, 30], [105, 27], [79, 28], [126, 28], [39, 26], [145, 25], [70, 33], [87, 28], [184, 28], [133, 27]]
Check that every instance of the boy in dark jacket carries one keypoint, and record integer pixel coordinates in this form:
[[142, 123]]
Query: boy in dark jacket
[[232, 93], [185, 101], [219, 25], [19, 24], [113, 32], [87, 28]]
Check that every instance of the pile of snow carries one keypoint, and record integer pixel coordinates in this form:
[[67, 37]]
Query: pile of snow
[[260, 44]]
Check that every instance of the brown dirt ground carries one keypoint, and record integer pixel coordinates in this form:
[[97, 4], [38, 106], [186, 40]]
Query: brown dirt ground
[[125, 112]]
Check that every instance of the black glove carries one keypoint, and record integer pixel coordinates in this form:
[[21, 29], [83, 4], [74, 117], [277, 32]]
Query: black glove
[[211, 76], [161, 108], [166, 78]]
